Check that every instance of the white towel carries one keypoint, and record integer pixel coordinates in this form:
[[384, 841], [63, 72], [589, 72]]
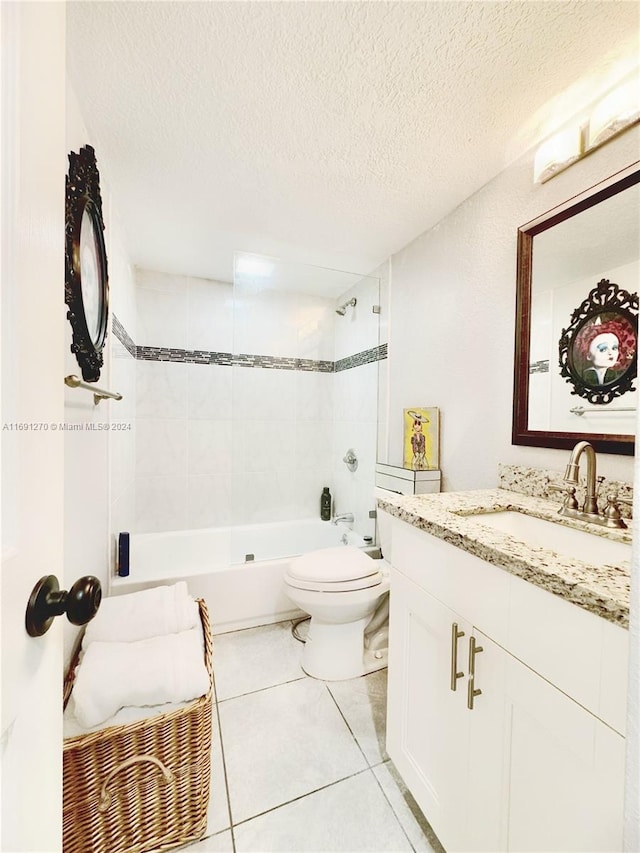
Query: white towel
[[111, 676], [138, 615]]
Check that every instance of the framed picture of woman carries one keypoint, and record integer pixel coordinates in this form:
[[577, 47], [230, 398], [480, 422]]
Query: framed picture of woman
[[598, 351]]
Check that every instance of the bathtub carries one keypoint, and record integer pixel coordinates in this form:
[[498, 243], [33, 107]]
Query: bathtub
[[237, 570]]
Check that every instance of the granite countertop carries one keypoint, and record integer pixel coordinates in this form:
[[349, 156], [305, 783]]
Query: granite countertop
[[601, 589]]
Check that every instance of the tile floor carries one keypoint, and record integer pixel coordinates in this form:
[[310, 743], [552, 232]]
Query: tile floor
[[299, 764]]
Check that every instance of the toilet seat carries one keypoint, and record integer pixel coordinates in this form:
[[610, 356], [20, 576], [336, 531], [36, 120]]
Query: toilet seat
[[335, 586], [341, 569]]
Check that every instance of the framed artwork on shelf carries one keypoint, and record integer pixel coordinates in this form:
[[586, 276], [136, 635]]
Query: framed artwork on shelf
[[421, 439]]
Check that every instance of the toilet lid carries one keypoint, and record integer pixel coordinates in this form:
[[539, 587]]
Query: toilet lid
[[331, 565]]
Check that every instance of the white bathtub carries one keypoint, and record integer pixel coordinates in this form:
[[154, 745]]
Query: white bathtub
[[240, 592]]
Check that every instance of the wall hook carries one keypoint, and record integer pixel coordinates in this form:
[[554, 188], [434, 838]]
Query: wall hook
[[47, 601]]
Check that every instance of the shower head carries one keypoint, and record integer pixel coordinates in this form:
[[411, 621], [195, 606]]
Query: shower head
[[342, 310]]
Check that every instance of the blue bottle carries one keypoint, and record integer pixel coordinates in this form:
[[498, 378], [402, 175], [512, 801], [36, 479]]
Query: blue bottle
[[123, 555]]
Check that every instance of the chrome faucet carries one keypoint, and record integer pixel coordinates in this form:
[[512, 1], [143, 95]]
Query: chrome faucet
[[589, 511], [347, 516]]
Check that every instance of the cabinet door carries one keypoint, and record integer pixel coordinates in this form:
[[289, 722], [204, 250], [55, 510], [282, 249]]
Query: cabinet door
[[488, 771], [559, 774], [427, 722], [566, 770]]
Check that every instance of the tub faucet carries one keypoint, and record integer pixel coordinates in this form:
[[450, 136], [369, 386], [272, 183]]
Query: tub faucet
[[347, 516], [589, 510]]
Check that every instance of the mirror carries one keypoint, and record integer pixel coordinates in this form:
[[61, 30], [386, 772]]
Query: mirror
[[86, 283], [578, 268]]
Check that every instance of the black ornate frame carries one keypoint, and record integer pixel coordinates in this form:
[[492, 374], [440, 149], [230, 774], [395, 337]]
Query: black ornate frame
[[606, 302], [83, 195]]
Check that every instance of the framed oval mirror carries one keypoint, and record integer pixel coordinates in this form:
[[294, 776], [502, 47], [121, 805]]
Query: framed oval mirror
[[86, 280], [578, 269]]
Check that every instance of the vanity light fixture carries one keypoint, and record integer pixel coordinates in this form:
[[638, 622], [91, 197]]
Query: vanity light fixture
[[617, 111], [557, 153]]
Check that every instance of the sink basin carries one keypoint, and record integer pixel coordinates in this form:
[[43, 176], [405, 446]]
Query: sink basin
[[567, 541]]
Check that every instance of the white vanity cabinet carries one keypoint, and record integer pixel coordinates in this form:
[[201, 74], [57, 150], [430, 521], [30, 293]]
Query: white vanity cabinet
[[537, 763]]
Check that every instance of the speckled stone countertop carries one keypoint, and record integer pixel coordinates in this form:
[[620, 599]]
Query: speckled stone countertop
[[601, 589]]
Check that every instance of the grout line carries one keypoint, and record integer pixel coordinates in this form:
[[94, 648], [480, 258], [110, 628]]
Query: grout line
[[428, 833], [262, 689], [224, 763], [303, 796], [253, 627], [369, 765], [393, 811]]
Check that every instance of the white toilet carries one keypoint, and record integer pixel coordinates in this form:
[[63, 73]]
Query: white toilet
[[346, 594]]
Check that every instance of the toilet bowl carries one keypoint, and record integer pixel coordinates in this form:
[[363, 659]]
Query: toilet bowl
[[346, 594]]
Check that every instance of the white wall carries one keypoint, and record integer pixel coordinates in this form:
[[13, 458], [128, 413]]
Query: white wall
[[182, 406], [452, 321], [87, 541]]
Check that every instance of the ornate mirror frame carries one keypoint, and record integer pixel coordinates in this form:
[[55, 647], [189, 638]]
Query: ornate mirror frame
[[521, 434], [610, 313], [86, 288]]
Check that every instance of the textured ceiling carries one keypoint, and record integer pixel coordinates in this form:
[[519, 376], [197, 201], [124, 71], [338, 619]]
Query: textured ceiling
[[331, 133]]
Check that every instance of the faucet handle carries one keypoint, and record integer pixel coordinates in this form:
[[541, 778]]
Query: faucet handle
[[612, 510], [570, 501]]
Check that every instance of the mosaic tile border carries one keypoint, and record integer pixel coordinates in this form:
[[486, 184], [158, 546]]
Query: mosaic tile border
[[360, 358], [227, 359], [539, 366], [123, 336]]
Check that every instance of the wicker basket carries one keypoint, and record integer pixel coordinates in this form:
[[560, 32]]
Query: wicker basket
[[142, 786]]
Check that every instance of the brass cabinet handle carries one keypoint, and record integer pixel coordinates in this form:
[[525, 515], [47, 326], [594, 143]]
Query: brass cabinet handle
[[472, 692], [455, 636]]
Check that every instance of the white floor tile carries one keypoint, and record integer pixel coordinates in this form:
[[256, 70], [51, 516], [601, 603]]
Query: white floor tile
[[406, 809], [220, 843], [352, 815], [282, 743], [249, 660], [363, 702]]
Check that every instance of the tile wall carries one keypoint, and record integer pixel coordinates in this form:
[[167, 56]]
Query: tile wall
[[244, 410]]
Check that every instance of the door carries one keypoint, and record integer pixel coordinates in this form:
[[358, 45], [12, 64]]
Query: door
[[427, 722], [32, 318]]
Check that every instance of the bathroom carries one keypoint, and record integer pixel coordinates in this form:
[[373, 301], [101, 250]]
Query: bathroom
[[447, 292]]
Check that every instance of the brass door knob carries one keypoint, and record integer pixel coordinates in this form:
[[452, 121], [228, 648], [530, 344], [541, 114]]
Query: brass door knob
[[47, 601]]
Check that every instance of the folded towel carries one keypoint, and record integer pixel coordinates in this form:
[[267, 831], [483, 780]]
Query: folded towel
[[129, 714], [138, 615], [111, 676]]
